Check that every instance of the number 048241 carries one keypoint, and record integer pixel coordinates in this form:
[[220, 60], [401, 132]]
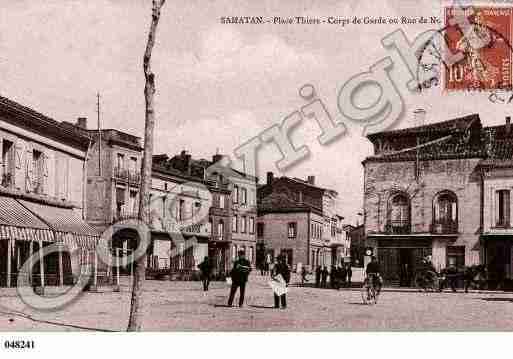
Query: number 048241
[[19, 344]]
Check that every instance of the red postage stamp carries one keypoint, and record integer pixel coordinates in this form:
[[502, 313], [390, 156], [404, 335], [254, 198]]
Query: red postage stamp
[[486, 45]]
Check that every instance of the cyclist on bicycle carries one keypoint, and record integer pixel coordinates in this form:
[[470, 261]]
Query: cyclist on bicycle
[[373, 271]]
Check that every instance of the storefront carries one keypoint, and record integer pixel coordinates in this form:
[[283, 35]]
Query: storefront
[[499, 260], [26, 227], [400, 257]]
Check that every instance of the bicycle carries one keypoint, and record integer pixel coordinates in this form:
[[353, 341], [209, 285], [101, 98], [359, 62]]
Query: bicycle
[[369, 290]]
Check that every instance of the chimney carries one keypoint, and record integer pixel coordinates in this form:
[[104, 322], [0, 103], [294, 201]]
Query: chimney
[[311, 180], [217, 157], [82, 122], [270, 178], [508, 125], [419, 116], [185, 160]]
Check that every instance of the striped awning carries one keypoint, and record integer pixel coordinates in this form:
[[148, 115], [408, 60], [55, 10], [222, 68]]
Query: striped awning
[[69, 227], [17, 222], [61, 219], [26, 234], [78, 240]]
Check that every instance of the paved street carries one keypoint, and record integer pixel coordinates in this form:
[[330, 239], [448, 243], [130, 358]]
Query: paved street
[[183, 306]]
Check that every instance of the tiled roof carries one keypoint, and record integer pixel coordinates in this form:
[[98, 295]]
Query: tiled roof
[[443, 148], [502, 149], [41, 124], [264, 188], [450, 126], [280, 202]]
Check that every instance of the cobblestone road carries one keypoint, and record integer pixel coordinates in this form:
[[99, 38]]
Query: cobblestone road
[[184, 306]]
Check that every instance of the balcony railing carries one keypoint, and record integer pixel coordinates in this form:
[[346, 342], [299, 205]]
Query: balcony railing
[[444, 227], [124, 214], [134, 177], [127, 175], [195, 228], [398, 227]]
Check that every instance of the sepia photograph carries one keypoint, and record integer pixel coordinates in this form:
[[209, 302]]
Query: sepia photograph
[[241, 166]]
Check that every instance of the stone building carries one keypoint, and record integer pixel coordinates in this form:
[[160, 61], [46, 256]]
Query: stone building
[[211, 207], [42, 196], [113, 184], [297, 218], [436, 190]]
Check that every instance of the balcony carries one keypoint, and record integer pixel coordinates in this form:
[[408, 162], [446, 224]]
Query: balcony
[[124, 215], [195, 228], [134, 177], [444, 227], [122, 174], [398, 227], [218, 238]]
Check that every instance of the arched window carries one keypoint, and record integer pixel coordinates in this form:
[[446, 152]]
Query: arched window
[[399, 214], [445, 213]]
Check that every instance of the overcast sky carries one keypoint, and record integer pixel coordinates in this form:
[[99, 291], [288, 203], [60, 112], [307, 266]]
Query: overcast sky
[[217, 85]]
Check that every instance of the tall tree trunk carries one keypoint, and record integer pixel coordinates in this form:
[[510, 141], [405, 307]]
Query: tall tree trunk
[[136, 304]]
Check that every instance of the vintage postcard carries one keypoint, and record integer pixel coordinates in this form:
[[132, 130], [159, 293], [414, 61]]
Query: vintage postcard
[[242, 166]]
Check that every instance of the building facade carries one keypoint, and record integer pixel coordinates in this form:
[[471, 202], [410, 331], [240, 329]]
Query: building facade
[[426, 193], [210, 208], [296, 218], [42, 196]]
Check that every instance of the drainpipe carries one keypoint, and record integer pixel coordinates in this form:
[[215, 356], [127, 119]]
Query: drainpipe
[[84, 181]]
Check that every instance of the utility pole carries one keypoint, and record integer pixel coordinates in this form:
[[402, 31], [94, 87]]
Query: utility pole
[[99, 135]]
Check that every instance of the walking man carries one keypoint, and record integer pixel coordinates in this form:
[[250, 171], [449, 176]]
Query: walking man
[[205, 268], [239, 274], [282, 269]]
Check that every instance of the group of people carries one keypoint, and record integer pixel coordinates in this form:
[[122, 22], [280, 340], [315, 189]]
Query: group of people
[[339, 276], [239, 277]]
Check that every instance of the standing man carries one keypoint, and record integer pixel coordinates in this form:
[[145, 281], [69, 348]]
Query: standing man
[[205, 268], [343, 274], [349, 272], [304, 273], [239, 274], [282, 269], [324, 277]]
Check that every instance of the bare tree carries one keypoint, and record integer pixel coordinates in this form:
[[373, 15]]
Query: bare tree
[[136, 304]]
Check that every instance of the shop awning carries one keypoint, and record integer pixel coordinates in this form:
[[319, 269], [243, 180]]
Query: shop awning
[[17, 222], [64, 221]]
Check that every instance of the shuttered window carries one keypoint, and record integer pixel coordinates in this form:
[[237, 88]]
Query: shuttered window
[[503, 208]]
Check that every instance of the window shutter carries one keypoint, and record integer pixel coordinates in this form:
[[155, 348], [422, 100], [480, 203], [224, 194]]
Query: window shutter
[[44, 169], [19, 179], [437, 210], [29, 165], [454, 211], [497, 209], [506, 209]]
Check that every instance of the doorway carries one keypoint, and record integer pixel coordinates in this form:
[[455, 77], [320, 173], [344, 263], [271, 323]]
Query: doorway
[[406, 267]]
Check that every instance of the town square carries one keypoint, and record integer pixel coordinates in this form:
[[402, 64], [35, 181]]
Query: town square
[[239, 167], [184, 306]]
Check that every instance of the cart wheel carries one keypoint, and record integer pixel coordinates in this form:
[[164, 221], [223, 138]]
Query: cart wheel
[[364, 291]]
